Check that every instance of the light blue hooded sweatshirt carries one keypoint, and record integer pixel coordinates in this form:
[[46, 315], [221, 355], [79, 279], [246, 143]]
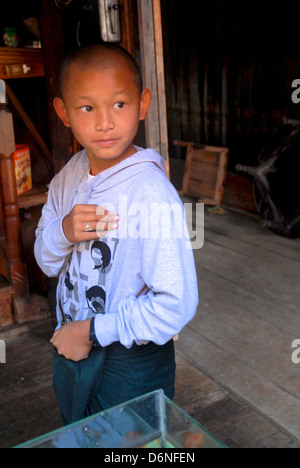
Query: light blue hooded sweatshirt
[[139, 282]]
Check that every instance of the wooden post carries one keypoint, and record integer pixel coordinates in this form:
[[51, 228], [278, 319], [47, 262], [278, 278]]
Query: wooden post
[[12, 223], [151, 45], [161, 86], [26, 307], [127, 25]]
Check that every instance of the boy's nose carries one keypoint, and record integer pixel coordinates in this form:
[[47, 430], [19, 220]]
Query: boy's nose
[[103, 121]]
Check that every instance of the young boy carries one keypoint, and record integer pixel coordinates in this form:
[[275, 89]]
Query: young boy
[[124, 292]]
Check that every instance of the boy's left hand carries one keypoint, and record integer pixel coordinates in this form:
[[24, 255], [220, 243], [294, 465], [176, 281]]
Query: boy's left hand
[[72, 340]]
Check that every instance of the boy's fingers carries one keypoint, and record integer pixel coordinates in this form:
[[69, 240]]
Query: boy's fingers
[[81, 209], [100, 210], [106, 226], [95, 213], [94, 235], [99, 226], [109, 218], [88, 208], [54, 335]]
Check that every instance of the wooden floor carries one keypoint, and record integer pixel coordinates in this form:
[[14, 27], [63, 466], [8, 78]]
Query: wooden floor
[[248, 317], [234, 369]]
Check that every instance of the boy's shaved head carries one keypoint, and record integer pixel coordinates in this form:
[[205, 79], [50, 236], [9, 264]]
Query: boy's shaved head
[[99, 56]]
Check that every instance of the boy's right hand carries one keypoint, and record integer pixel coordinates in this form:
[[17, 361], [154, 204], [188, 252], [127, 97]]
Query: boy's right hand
[[99, 219]]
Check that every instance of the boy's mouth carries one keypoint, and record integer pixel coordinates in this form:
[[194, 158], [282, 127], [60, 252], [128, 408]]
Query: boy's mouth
[[106, 142]]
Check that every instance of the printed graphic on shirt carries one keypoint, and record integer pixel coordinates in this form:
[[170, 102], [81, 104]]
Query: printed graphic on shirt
[[84, 283]]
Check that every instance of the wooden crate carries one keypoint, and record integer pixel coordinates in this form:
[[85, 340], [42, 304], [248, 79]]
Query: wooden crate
[[205, 171]]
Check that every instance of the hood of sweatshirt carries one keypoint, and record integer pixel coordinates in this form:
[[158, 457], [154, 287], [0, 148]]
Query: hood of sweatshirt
[[138, 162], [67, 185]]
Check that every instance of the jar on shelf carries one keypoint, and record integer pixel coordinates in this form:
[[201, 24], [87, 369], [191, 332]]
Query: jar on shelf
[[10, 37]]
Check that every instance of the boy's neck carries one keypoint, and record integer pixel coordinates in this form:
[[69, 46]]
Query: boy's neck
[[100, 165]]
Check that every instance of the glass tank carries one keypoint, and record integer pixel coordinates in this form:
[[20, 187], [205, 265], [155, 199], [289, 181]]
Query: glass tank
[[149, 421]]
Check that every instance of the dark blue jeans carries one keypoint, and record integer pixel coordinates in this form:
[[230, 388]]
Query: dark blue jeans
[[110, 376]]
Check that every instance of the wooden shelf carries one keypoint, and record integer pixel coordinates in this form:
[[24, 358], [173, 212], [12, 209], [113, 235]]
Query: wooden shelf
[[13, 63], [37, 196]]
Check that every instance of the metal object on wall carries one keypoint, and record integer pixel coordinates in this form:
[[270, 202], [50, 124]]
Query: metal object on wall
[[110, 26]]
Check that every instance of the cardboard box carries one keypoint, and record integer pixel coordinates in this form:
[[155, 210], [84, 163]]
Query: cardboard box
[[23, 169]]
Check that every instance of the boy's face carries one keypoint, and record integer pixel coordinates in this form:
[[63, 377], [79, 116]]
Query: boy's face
[[103, 107]]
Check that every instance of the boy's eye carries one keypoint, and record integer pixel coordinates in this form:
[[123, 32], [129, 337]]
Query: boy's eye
[[86, 109], [119, 105]]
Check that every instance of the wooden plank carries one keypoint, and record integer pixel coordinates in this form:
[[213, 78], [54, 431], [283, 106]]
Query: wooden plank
[[37, 196], [202, 189], [28, 405], [270, 400], [246, 236], [186, 175], [29, 408], [265, 350], [254, 276], [245, 229], [264, 269], [6, 304], [226, 416], [239, 239], [147, 48], [221, 175], [30, 308], [160, 79], [207, 154], [217, 292], [204, 172], [239, 193], [151, 47], [205, 157], [247, 319], [127, 25]]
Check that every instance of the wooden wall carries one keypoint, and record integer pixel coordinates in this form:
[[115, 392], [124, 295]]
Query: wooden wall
[[229, 70]]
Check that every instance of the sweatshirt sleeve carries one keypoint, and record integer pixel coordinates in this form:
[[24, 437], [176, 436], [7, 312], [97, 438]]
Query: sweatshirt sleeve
[[168, 271], [51, 247]]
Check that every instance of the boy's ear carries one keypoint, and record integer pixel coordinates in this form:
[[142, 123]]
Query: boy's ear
[[145, 102], [61, 111]]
